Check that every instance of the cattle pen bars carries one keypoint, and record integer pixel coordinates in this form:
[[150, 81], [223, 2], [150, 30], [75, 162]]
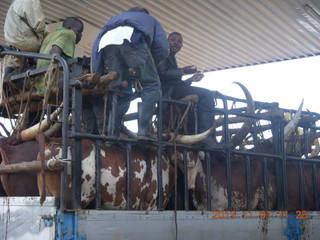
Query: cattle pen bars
[[274, 164], [278, 141]]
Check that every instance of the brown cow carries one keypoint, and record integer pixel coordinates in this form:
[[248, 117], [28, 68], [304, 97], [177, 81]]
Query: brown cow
[[22, 184], [293, 186], [197, 182], [113, 176]]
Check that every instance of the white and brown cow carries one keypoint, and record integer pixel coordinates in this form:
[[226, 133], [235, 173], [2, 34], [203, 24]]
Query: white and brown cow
[[113, 176], [197, 182], [198, 175]]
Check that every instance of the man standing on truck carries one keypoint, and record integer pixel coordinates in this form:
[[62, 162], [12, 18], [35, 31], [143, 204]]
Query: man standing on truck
[[174, 87], [24, 30], [133, 39]]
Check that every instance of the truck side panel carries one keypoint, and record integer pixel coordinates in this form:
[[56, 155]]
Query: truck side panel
[[22, 218]]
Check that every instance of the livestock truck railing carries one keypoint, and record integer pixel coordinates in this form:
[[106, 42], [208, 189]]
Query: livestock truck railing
[[264, 112], [231, 180]]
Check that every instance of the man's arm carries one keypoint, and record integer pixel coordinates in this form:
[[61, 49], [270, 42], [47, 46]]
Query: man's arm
[[35, 18], [160, 46], [55, 50], [167, 72]]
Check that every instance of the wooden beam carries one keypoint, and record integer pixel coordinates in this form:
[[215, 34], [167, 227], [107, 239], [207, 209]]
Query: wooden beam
[[50, 165]]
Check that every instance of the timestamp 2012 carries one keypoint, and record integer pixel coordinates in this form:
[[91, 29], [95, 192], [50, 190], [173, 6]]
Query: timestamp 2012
[[257, 214]]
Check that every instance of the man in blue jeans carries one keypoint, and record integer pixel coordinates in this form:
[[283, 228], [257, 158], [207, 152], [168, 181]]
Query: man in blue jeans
[[133, 39]]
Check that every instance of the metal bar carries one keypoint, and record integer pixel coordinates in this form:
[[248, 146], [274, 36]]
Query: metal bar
[[226, 138], [76, 143], [315, 186], [98, 174], [305, 141], [255, 133], [221, 147], [185, 180], [196, 119], [37, 71], [225, 127], [229, 181], [64, 129], [301, 186], [208, 166], [284, 167], [159, 176], [248, 183], [128, 163], [159, 153], [112, 116], [278, 175], [265, 183], [66, 78]]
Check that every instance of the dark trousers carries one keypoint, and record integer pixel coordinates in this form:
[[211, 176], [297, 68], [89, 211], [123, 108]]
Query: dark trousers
[[206, 101], [120, 58]]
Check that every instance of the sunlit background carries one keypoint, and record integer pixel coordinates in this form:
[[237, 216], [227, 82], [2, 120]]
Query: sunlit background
[[286, 83]]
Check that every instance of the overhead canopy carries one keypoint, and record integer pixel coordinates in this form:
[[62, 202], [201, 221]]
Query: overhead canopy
[[218, 34]]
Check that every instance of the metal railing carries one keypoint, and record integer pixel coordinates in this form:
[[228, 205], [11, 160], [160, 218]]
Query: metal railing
[[278, 157]]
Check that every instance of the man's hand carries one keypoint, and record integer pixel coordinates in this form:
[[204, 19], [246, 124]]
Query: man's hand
[[197, 77], [189, 69]]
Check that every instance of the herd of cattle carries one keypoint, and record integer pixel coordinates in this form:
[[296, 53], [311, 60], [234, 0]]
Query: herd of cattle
[[299, 176]]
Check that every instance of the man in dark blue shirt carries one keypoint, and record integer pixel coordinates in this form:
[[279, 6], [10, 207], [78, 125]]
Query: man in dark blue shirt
[[133, 39], [173, 86]]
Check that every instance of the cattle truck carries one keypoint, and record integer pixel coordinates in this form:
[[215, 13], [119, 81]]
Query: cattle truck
[[24, 217]]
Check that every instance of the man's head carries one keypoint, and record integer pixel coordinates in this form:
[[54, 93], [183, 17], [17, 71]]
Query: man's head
[[175, 41], [75, 25]]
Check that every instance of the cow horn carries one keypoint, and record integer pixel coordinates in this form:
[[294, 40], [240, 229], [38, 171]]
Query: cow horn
[[316, 150], [293, 122], [31, 132], [192, 139], [245, 129]]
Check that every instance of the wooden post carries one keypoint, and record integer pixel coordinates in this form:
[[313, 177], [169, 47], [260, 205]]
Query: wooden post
[[50, 165]]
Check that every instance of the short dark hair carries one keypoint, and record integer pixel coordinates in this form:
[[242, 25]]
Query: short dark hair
[[138, 9], [176, 33], [70, 21]]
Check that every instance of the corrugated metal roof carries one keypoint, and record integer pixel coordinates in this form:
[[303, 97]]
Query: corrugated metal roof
[[218, 34]]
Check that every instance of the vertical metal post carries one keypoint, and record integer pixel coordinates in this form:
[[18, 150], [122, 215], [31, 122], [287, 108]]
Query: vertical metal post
[[265, 183], [228, 150], [255, 133], [128, 165], [196, 119], [248, 183], [284, 167], [185, 180], [301, 186], [159, 153], [98, 174], [208, 166], [65, 115], [112, 116], [276, 127], [315, 186], [76, 142], [229, 181]]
